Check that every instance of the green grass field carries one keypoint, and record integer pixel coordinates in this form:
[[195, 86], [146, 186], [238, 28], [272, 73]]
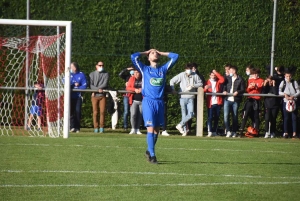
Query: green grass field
[[112, 166]]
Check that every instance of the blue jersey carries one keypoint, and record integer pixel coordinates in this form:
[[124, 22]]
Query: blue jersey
[[80, 79], [154, 79]]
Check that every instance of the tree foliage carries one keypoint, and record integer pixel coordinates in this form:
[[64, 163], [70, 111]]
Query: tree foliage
[[210, 33]]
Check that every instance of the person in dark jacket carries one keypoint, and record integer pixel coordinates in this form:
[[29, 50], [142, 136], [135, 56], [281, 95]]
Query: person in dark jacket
[[235, 85], [125, 74], [278, 76], [271, 106]]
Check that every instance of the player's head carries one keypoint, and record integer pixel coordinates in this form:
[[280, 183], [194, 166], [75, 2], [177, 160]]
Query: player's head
[[153, 56], [137, 74], [100, 66], [254, 72], [279, 69], [74, 67], [233, 70], [188, 68], [194, 67], [248, 69], [288, 76], [212, 75], [226, 68]]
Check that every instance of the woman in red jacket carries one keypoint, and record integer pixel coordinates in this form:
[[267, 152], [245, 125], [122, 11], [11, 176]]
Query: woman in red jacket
[[135, 101], [252, 105], [213, 102]]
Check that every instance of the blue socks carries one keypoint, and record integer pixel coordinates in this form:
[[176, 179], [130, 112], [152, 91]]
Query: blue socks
[[151, 141], [155, 138], [151, 144]]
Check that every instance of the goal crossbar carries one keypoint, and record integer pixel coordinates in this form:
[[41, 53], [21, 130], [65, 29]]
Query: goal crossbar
[[68, 26]]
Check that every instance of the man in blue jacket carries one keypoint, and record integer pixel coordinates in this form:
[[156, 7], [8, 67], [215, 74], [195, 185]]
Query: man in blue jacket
[[78, 81]]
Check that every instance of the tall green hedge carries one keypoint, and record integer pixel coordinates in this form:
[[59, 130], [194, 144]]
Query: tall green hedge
[[210, 33]]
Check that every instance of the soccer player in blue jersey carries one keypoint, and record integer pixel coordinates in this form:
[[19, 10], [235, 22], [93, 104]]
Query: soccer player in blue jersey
[[153, 85]]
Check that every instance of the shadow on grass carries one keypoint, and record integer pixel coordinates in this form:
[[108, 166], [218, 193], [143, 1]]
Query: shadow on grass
[[223, 163]]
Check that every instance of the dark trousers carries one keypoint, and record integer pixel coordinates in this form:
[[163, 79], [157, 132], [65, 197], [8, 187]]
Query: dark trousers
[[250, 112], [213, 117], [270, 118], [75, 113]]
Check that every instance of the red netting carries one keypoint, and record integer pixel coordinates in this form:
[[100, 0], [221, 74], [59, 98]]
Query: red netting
[[40, 110]]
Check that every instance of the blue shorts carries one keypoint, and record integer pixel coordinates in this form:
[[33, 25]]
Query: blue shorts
[[36, 110], [153, 112]]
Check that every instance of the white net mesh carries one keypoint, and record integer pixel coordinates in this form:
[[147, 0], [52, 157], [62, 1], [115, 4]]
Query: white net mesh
[[38, 111]]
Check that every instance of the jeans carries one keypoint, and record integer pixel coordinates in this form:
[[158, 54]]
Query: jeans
[[187, 110], [234, 107], [75, 113], [126, 111], [136, 114], [286, 120], [99, 102], [213, 115]]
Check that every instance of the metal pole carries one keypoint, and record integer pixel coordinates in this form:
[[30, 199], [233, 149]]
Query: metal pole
[[58, 81], [27, 64], [67, 81], [273, 38]]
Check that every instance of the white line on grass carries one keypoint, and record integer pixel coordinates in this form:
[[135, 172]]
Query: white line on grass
[[170, 148], [142, 185], [144, 173]]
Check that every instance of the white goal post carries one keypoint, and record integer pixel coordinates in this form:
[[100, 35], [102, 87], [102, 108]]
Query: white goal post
[[68, 28]]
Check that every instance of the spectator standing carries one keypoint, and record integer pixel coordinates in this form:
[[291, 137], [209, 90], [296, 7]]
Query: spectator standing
[[235, 85], [195, 70], [168, 89], [279, 77], [252, 105], [99, 81], [271, 106], [188, 83], [214, 102], [78, 81], [248, 70], [290, 89], [125, 74], [37, 106], [226, 76], [154, 79], [135, 102]]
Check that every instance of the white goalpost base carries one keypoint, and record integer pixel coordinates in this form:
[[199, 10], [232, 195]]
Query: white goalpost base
[[67, 61]]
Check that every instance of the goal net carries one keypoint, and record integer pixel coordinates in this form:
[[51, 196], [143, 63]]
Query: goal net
[[32, 77]]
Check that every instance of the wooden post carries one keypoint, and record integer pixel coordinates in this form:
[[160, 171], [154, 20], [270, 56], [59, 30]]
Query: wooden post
[[200, 111]]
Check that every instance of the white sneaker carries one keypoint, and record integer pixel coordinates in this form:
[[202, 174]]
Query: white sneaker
[[72, 130], [138, 132], [228, 134], [272, 135], [209, 134], [267, 135], [233, 135], [165, 133], [132, 131], [180, 129], [184, 133]]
